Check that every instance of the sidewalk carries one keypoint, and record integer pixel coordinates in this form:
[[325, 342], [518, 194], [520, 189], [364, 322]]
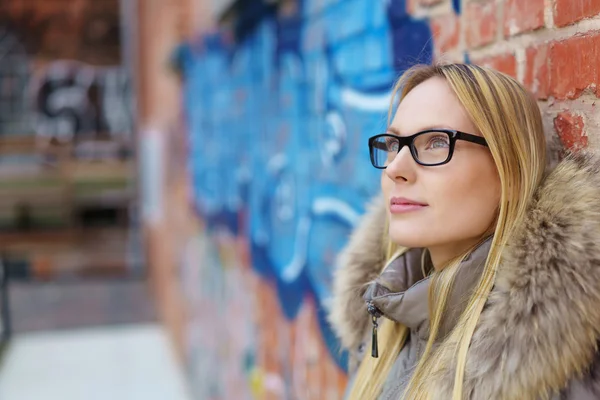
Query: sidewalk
[[131, 362]]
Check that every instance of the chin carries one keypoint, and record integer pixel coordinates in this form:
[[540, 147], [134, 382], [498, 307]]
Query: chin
[[406, 237]]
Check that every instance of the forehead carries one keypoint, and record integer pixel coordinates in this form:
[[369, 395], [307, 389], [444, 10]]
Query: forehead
[[431, 104]]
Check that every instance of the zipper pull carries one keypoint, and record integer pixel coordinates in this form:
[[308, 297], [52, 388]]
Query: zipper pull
[[375, 313], [374, 347]]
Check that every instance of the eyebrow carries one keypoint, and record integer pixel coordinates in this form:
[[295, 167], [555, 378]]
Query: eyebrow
[[396, 131]]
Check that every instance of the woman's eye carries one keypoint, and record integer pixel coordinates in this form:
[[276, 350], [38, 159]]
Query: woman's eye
[[439, 142], [392, 145]]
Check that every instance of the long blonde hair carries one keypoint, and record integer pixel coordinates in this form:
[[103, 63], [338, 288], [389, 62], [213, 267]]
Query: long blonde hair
[[509, 119]]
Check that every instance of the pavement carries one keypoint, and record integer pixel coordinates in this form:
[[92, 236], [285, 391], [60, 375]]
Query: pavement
[[88, 340], [133, 362]]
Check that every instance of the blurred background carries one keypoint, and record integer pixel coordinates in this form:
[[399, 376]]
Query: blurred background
[[177, 176]]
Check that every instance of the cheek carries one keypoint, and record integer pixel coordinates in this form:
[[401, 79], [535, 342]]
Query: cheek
[[469, 204], [386, 185]]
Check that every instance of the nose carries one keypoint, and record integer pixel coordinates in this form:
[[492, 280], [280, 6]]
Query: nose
[[402, 167]]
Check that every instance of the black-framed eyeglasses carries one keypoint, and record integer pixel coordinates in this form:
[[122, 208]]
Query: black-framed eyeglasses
[[429, 148]]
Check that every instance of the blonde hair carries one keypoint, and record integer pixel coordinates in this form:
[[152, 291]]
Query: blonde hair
[[508, 117]]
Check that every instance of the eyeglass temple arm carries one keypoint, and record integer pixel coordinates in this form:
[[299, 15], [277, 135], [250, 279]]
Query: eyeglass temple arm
[[471, 138]]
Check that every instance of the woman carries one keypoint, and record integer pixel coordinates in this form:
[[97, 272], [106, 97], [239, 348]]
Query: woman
[[475, 275]]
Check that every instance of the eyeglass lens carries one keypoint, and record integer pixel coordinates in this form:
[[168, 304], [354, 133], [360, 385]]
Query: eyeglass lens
[[429, 148]]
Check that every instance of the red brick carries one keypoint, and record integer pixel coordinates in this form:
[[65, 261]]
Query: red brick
[[482, 25], [506, 63], [570, 129], [569, 11], [523, 16], [446, 30], [574, 66], [537, 75]]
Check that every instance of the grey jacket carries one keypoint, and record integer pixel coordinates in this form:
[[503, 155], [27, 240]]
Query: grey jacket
[[538, 334]]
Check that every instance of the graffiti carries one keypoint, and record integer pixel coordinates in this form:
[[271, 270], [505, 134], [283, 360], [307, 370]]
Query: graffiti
[[72, 99], [66, 98], [278, 128], [456, 6]]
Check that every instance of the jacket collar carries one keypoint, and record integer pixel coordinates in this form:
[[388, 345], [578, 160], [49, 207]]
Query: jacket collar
[[540, 326], [401, 292]]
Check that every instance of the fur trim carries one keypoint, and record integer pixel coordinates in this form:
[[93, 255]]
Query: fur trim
[[358, 263], [540, 326]]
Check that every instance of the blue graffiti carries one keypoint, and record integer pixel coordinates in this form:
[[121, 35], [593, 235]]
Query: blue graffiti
[[456, 5], [278, 127]]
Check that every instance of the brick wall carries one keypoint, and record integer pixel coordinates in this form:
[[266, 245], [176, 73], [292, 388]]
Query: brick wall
[[297, 94], [161, 26], [552, 46], [82, 30]]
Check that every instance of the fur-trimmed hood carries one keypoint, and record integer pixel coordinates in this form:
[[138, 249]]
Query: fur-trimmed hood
[[541, 325]]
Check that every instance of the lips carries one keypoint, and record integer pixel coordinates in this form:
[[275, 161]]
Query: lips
[[405, 201], [400, 205]]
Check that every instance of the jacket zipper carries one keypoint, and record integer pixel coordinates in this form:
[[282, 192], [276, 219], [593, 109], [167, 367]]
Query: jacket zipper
[[375, 314]]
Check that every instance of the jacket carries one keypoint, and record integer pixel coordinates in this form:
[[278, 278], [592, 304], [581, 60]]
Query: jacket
[[538, 334]]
